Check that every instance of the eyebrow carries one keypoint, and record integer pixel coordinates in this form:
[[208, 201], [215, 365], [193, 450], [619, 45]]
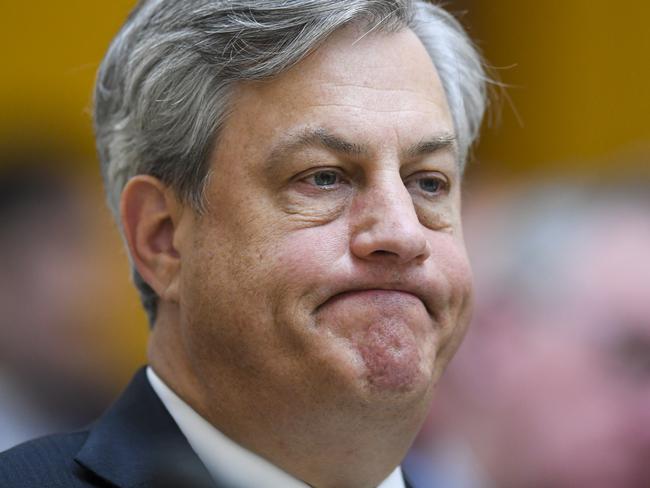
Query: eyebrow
[[433, 145], [320, 137]]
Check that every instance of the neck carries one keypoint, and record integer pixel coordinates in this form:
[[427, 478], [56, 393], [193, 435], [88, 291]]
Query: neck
[[332, 442]]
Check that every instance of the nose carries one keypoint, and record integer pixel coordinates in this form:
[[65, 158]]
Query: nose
[[385, 224]]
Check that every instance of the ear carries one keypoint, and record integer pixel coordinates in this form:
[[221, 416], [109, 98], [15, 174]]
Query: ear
[[150, 213]]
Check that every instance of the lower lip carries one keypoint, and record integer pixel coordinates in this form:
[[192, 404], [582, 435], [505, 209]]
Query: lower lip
[[373, 295]]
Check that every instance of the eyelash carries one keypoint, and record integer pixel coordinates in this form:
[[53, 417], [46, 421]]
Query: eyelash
[[311, 177], [417, 179], [420, 177]]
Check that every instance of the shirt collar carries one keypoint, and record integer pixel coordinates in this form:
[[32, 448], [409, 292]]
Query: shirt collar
[[225, 459]]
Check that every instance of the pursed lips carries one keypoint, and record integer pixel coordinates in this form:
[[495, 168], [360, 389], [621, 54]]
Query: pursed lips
[[374, 294]]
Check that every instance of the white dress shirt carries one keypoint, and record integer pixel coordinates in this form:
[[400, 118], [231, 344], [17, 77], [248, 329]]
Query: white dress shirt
[[225, 459]]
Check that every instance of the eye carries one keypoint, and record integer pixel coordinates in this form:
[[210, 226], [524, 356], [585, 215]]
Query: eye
[[431, 184], [324, 179]]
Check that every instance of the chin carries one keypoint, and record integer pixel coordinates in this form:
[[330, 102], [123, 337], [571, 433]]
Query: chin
[[389, 344], [394, 359]]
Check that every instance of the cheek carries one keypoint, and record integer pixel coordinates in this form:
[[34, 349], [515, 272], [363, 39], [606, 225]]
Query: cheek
[[311, 253], [441, 216], [451, 268], [457, 299]]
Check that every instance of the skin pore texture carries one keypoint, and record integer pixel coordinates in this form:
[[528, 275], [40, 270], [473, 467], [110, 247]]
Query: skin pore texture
[[309, 312]]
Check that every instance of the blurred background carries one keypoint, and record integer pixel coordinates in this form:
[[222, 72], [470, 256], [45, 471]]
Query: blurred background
[[556, 195]]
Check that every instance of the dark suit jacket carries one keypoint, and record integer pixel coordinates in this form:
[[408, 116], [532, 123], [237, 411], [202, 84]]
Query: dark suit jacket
[[135, 444]]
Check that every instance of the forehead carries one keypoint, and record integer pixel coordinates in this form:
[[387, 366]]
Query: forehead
[[381, 89]]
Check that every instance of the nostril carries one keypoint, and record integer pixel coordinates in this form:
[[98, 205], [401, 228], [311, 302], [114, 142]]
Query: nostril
[[381, 253]]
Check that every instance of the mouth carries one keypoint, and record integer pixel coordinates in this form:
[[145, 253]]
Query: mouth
[[375, 295]]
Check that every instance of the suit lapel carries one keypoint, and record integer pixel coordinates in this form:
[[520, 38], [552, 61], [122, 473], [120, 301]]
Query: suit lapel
[[137, 443], [407, 481]]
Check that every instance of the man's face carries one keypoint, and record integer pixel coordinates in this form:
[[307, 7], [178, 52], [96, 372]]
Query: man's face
[[330, 267]]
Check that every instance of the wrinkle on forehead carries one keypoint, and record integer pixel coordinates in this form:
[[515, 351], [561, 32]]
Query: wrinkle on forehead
[[397, 69], [361, 107], [359, 85], [383, 91]]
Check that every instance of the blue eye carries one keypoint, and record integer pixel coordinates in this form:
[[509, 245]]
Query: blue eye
[[431, 185], [325, 178]]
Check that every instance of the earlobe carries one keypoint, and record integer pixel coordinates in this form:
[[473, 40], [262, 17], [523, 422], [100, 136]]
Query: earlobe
[[150, 214]]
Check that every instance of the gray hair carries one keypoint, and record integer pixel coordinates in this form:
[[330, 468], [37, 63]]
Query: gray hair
[[163, 89]]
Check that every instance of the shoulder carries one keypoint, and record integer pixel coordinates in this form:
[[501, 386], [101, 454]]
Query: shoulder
[[48, 461]]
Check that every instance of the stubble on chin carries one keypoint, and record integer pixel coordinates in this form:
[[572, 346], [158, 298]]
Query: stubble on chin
[[390, 355]]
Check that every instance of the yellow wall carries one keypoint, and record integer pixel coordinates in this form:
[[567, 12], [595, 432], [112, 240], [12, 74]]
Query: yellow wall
[[50, 51], [580, 77]]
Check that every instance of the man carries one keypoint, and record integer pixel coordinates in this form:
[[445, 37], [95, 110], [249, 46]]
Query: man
[[287, 176]]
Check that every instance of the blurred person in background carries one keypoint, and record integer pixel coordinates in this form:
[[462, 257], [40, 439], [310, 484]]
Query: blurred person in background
[[551, 388], [52, 372]]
